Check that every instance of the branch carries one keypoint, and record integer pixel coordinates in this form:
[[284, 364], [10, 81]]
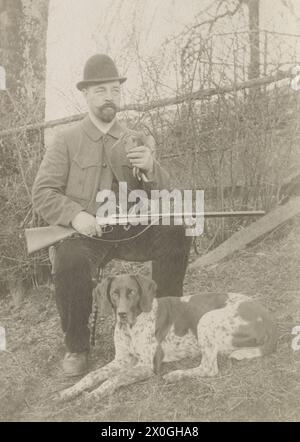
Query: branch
[[211, 22]]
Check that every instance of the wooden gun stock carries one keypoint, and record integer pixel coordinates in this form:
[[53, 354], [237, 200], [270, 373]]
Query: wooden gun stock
[[38, 238], [41, 237]]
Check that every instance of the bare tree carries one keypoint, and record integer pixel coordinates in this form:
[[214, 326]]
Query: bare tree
[[23, 30], [254, 64]]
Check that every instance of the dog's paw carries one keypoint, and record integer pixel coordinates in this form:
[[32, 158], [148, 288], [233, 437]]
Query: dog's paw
[[68, 394], [105, 389], [87, 400], [203, 372], [194, 373], [174, 376], [64, 396]]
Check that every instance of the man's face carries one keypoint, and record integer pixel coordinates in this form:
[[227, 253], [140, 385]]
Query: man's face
[[103, 100]]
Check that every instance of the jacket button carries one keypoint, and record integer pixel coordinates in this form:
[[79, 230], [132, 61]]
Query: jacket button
[[104, 165]]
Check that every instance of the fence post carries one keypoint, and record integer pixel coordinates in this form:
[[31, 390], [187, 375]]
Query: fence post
[[265, 56]]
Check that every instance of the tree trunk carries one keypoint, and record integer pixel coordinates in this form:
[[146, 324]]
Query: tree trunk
[[23, 35], [10, 52], [23, 38], [254, 63]]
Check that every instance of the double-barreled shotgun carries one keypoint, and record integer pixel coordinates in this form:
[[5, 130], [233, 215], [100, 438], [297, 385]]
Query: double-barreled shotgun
[[38, 238]]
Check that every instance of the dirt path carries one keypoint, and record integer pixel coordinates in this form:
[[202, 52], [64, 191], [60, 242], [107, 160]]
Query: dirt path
[[263, 389]]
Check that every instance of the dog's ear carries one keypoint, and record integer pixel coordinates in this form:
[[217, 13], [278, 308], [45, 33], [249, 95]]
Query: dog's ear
[[147, 292], [102, 297]]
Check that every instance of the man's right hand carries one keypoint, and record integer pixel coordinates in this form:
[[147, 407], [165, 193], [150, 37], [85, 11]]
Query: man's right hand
[[86, 224]]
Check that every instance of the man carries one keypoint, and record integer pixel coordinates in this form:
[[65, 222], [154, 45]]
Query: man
[[83, 160]]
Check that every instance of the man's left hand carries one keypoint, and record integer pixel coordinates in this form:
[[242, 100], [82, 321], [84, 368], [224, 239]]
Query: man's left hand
[[141, 157]]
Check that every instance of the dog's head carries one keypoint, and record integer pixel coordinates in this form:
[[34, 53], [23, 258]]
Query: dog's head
[[127, 295]]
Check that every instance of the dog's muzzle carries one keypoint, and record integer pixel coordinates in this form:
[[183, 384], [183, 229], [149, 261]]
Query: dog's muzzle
[[122, 317]]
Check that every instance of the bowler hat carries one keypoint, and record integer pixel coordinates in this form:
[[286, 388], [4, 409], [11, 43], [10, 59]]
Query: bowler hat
[[99, 68]]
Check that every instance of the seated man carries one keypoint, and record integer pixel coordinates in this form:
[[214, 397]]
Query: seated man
[[81, 161]]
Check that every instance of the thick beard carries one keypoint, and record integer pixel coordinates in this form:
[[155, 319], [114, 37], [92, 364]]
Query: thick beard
[[106, 113]]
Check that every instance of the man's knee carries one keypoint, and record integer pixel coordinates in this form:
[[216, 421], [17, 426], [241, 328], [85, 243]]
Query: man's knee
[[175, 237], [70, 256]]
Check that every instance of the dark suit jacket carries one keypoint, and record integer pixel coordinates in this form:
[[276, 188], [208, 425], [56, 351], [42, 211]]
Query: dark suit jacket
[[71, 172]]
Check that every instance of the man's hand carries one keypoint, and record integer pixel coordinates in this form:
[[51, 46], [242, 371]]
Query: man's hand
[[141, 157], [86, 224]]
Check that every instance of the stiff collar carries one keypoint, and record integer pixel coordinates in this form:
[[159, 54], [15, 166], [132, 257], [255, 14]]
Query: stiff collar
[[95, 134]]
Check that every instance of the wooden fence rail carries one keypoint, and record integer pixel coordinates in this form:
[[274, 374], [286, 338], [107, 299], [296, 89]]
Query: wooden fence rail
[[198, 95]]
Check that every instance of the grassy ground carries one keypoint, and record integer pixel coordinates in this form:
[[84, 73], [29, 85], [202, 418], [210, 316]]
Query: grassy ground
[[262, 389]]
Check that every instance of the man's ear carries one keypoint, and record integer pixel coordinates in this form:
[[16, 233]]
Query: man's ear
[[147, 292], [102, 297]]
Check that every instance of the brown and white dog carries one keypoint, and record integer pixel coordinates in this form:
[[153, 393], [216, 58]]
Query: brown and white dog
[[152, 330]]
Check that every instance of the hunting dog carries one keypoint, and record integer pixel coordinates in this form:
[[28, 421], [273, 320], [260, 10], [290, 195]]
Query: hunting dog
[[151, 330]]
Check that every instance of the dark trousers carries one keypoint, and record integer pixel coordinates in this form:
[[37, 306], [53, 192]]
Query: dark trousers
[[166, 246]]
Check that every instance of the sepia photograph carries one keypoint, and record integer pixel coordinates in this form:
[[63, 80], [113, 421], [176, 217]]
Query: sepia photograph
[[149, 213]]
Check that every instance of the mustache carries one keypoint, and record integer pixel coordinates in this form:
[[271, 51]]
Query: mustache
[[107, 105]]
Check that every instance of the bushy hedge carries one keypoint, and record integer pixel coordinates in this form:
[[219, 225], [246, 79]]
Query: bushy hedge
[[20, 157]]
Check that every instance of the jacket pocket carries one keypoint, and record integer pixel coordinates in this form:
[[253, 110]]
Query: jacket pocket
[[82, 177]]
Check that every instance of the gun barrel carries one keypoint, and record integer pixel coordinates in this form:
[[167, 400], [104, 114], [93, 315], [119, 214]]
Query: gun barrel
[[234, 214], [40, 237], [127, 218]]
